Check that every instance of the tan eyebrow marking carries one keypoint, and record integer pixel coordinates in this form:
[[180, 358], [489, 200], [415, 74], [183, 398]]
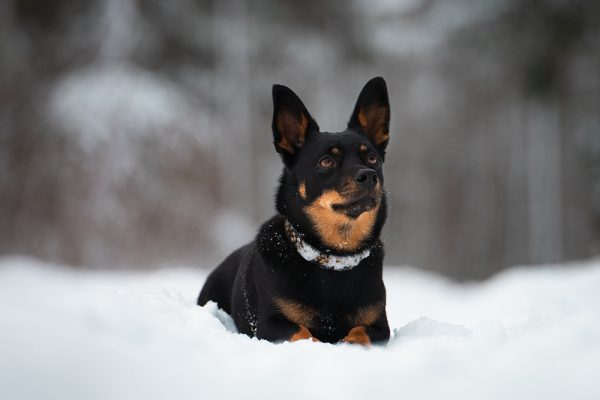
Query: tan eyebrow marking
[[302, 190], [363, 147], [335, 151]]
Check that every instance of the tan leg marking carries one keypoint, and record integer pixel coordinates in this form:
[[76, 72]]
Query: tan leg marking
[[303, 334], [367, 315], [295, 312], [358, 335]]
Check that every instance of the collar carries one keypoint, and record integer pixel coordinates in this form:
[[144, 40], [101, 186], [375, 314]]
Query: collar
[[325, 261]]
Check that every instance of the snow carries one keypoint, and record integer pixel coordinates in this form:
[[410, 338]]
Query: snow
[[72, 334]]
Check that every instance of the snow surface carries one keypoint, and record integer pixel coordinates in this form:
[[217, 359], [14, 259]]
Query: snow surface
[[72, 334]]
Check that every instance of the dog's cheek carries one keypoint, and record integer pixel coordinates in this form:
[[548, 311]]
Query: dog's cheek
[[302, 191], [338, 230]]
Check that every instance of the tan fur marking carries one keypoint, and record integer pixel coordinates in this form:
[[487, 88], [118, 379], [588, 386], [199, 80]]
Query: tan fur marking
[[302, 190], [372, 120], [283, 143], [363, 148], [367, 315], [292, 130], [335, 151], [337, 229], [303, 334], [358, 335], [296, 312]]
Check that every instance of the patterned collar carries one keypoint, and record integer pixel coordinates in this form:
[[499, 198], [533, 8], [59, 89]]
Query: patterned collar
[[325, 261]]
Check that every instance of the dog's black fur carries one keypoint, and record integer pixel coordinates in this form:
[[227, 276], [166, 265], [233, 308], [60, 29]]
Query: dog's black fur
[[331, 192]]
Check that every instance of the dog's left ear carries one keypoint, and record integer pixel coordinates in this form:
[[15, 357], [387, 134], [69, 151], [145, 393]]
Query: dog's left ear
[[371, 115]]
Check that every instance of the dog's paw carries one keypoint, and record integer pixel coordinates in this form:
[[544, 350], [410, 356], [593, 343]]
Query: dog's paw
[[303, 334], [358, 335]]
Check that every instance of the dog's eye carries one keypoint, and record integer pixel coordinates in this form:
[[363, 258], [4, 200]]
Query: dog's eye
[[326, 162], [372, 159]]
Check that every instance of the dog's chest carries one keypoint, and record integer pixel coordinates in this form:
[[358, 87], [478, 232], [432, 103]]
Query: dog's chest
[[330, 318], [333, 324], [329, 324]]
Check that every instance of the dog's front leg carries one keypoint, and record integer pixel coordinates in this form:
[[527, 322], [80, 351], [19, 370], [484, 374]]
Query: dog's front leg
[[278, 329], [303, 334], [358, 335], [378, 333]]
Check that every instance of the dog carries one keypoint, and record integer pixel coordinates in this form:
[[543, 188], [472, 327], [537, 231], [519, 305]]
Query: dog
[[314, 271]]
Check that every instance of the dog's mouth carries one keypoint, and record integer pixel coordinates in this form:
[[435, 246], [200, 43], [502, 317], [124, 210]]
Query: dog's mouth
[[356, 207]]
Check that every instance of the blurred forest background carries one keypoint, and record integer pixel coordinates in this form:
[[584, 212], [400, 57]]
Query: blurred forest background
[[137, 133]]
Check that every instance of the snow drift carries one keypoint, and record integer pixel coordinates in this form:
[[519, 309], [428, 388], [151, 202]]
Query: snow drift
[[67, 334]]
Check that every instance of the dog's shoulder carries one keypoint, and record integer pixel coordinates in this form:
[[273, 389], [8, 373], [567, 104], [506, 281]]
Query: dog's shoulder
[[271, 241]]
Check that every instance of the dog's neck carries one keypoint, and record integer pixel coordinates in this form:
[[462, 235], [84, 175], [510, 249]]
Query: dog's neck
[[323, 260]]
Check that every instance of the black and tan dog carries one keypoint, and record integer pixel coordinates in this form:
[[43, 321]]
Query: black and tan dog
[[314, 271]]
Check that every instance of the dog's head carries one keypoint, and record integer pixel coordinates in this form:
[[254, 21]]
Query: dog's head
[[332, 185]]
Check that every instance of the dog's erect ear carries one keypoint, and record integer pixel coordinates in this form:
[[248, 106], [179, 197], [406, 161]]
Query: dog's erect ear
[[291, 122], [371, 114]]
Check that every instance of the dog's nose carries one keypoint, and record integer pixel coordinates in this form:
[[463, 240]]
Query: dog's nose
[[366, 178]]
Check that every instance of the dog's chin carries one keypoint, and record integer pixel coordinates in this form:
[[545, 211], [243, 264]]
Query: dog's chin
[[355, 208]]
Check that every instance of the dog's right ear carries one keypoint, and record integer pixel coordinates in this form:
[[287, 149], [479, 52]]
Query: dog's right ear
[[292, 123]]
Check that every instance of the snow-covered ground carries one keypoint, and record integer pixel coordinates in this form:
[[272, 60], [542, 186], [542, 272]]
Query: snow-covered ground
[[67, 334]]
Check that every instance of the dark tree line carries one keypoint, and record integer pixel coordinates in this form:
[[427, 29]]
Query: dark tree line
[[137, 132]]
